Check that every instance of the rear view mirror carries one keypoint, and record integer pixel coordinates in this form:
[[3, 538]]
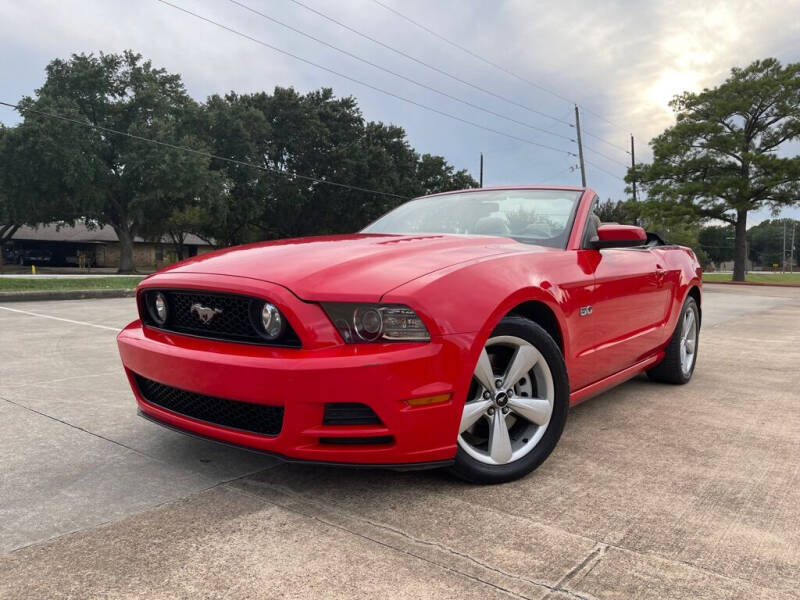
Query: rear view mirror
[[618, 236]]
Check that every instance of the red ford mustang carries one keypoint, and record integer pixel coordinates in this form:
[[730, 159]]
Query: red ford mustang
[[454, 331]]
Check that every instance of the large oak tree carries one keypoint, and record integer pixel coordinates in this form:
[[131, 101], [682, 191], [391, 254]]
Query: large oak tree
[[727, 153], [125, 182], [273, 165], [275, 136], [39, 178]]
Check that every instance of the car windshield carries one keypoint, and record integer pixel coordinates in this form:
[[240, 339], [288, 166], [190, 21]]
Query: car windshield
[[541, 217]]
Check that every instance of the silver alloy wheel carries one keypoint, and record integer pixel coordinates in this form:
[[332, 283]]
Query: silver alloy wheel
[[511, 403], [688, 343]]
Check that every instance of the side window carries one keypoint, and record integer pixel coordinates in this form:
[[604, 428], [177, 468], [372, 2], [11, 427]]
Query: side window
[[592, 222]]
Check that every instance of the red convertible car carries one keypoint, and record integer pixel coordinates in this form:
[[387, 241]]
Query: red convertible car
[[454, 331]]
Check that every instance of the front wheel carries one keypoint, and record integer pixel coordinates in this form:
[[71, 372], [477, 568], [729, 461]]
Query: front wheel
[[516, 407], [680, 355]]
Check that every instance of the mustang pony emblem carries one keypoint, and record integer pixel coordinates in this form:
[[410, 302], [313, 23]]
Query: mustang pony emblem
[[204, 313]]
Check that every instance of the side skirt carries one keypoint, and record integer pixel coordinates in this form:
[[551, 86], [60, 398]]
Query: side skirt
[[597, 387]]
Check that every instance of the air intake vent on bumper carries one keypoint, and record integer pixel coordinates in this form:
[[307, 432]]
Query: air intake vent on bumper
[[349, 413]]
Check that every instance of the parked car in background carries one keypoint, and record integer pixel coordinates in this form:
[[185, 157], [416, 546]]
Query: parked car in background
[[10, 255], [34, 256], [454, 331]]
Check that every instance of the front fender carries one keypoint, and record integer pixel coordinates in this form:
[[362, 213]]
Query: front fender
[[473, 299]]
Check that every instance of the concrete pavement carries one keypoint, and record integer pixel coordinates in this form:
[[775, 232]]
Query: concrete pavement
[[655, 491]]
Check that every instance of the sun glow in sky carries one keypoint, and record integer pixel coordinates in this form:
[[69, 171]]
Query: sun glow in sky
[[663, 90]]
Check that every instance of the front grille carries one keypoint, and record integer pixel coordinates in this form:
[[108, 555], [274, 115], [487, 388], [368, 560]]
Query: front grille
[[349, 413], [235, 318], [256, 418]]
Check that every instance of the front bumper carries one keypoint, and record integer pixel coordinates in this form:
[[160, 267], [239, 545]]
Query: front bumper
[[302, 381]]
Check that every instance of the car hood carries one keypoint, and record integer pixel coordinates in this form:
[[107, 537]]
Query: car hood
[[359, 267]]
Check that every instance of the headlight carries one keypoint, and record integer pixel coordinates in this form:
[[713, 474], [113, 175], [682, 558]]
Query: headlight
[[360, 323], [271, 321], [157, 307]]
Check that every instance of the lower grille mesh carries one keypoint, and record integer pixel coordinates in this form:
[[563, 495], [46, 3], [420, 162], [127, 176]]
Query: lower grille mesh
[[256, 418]]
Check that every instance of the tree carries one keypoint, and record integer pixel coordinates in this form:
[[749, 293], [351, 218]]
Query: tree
[[435, 175], [9, 221], [32, 191], [316, 135], [127, 183], [717, 241], [624, 212], [766, 242], [723, 157]]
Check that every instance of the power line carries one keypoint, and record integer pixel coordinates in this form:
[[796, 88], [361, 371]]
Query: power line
[[489, 62], [396, 74], [606, 142], [571, 169], [428, 65], [243, 163], [606, 156], [602, 118], [470, 52], [599, 168], [363, 83]]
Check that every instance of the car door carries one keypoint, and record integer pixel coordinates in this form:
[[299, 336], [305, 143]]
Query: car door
[[629, 304]]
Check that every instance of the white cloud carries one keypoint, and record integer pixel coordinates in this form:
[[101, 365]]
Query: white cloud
[[622, 59]]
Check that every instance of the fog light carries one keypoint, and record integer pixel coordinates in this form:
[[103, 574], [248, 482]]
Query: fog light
[[160, 308], [271, 320]]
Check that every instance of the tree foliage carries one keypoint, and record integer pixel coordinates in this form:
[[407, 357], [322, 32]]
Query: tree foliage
[[624, 212], [33, 189], [724, 156], [125, 182], [317, 135], [275, 152], [717, 242], [768, 241]]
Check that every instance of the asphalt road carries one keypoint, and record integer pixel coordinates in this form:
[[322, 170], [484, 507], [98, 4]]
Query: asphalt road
[[655, 491]]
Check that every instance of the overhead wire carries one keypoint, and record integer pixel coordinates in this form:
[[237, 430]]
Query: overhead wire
[[362, 83], [235, 161], [430, 66], [604, 141], [570, 168], [493, 64], [606, 156], [398, 75], [599, 168]]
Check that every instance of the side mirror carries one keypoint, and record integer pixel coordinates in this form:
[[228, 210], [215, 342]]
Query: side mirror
[[618, 236]]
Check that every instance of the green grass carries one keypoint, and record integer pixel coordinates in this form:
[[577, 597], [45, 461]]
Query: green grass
[[23, 284], [779, 278]]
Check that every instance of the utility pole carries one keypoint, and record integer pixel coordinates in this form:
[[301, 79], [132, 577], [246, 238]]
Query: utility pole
[[580, 145], [633, 169], [783, 255], [481, 176]]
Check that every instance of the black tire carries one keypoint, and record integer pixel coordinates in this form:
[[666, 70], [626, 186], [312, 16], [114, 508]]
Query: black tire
[[669, 370], [468, 468]]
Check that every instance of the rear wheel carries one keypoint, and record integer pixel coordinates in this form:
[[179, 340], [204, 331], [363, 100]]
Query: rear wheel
[[680, 355], [516, 406]]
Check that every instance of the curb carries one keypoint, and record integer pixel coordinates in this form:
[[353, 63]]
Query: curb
[[753, 283], [64, 295]]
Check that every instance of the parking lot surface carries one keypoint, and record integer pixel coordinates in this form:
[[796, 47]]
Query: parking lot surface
[[654, 491]]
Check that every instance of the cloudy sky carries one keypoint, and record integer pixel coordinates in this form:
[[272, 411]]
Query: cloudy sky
[[620, 60]]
